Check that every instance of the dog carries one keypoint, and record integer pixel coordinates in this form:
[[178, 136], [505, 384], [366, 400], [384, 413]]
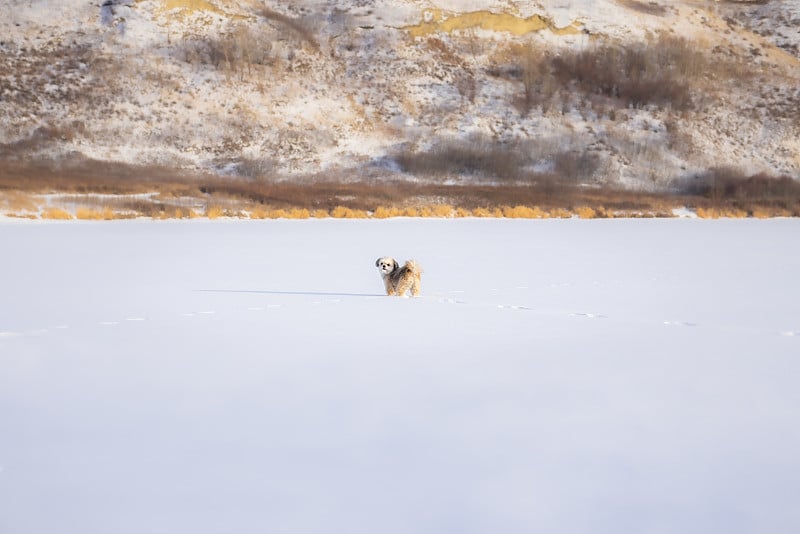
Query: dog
[[399, 280]]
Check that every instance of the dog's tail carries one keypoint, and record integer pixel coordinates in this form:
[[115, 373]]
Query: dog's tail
[[413, 267]]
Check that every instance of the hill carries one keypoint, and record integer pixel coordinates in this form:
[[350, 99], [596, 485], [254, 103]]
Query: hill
[[658, 97]]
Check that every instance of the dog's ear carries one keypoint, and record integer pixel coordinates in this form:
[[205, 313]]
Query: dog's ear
[[396, 265], [378, 262]]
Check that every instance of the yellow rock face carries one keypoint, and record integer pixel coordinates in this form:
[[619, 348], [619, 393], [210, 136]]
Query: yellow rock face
[[435, 20], [190, 5]]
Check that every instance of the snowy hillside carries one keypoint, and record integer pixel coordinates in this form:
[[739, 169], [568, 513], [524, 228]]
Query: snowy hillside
[[556, 377], [365, 88]]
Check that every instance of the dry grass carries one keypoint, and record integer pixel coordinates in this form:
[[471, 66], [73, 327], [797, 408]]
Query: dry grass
[[293, 213], [724, 192], [585, 212], [523, 212], [56, 213], [106, 214], [82, 175], [215, 212], [18, 202], [724, 212], [342, 212]]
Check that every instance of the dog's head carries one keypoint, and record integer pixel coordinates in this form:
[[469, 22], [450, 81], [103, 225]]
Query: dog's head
[[386, 265]]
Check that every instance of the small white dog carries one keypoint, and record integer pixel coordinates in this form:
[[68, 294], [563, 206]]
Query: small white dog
[[399, 280]]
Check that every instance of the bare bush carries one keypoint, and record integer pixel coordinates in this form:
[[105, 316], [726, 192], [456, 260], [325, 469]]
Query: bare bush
[[538, 82], [728, 186], [236, 50], [470, 158], [657, 73], [467, 85], [577, 166], [660, 72], [256, 168]]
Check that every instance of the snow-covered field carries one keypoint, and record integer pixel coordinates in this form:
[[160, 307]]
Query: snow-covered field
[[556, 376]]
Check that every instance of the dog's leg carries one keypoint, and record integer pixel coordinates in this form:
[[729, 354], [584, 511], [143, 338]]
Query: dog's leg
[[403, 286], [389, 288], [415, 286]]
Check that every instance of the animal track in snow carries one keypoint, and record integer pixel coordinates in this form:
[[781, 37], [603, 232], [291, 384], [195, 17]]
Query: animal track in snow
[[678, 323], [448, 300], [589, 315], [195, 314]]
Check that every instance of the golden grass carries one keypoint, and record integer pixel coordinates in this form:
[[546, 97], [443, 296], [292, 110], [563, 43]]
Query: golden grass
[[718, 213], [257, 213], [87, 214], [431, 211], [522, 212], [437, 210], [214, 212], [487, 212], [341, 212], [280, 213], [299, 213], [382, 212], [56, 213], [763, 212], [560, 213]]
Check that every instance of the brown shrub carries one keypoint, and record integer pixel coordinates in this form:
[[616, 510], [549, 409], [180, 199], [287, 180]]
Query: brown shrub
[[731, 185], [637, 75], [464, 158]]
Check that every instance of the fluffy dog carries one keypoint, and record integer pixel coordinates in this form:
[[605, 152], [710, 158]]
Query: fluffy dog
[[399, 280]]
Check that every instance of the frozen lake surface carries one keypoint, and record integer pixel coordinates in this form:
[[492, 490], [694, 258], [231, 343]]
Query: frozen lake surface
[[556, 376]]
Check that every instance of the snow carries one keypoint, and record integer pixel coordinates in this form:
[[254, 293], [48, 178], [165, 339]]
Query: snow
[[556, 376]]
